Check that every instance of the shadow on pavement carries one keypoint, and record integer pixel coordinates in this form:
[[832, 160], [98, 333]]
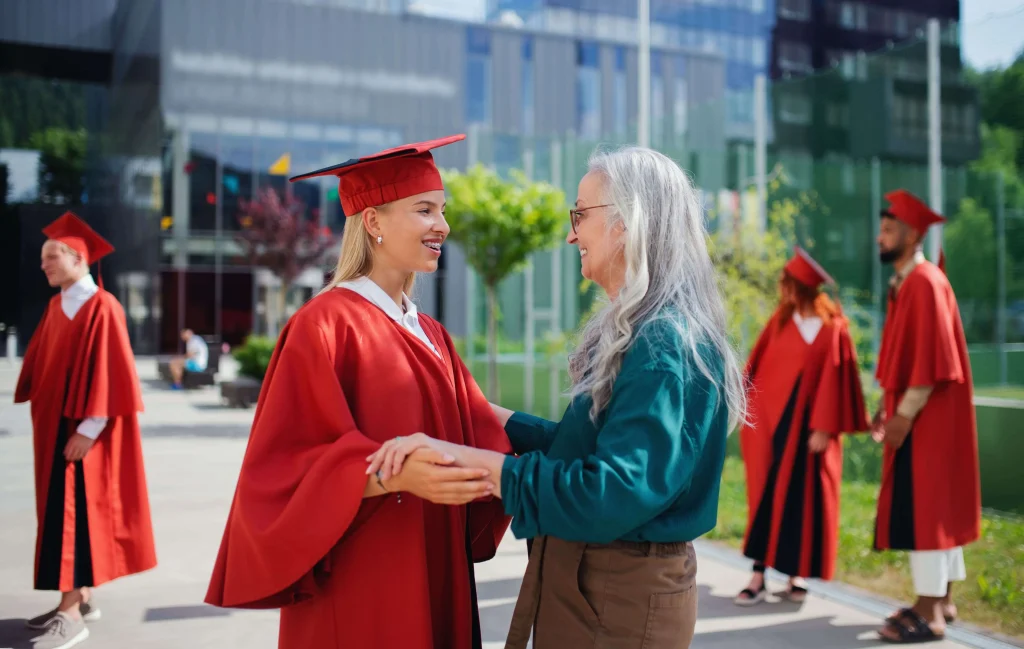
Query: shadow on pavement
[[169, 613], [802, 634], [219, 430], [15, 635], [712, 607]]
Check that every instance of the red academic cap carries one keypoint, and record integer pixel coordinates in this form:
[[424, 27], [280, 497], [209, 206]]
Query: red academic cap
[[386, 176], [905, 207], [805, 270], [75, 234]]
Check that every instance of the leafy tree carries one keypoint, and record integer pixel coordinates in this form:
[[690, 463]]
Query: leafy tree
[[61, 164], [498, 224], [970, 244], [278, 235]]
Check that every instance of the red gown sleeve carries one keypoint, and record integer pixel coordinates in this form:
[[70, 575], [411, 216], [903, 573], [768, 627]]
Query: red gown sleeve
[[304, 444], [925, 349], [103, 380], [23, 390], [839, 398], [481, 429]]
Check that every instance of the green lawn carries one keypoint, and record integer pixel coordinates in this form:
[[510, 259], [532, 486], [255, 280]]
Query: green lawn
[[992, 597], [1002, 392]]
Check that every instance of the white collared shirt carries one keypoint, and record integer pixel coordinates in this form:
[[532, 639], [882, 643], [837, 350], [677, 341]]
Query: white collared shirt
[[809, 327], [896, 281], [71, 301], [76, 295], [409, 319]]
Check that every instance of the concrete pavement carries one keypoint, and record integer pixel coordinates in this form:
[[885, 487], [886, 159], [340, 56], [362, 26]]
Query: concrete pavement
[[193, 450]]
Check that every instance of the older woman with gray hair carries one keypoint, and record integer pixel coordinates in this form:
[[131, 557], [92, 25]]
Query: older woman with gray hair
[[615, 492]]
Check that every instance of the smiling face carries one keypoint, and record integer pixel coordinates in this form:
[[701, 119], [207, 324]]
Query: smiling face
[[601, 249], [412, 231]]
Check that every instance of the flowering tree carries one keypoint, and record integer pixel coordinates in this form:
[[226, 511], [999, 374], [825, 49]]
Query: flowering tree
[[278, 235]]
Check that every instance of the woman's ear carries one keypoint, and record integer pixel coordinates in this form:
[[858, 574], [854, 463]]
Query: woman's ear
[[371, 221]]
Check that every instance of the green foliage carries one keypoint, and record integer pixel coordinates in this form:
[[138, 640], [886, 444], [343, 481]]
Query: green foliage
[[29, 105], [61, 164], [499, 223], [970, 244], [1001, 90], [253, 356]]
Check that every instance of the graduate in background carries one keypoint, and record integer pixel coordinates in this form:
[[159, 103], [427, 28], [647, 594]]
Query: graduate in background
[[804, 390], [355, 559], [79, 373], [930, 499]]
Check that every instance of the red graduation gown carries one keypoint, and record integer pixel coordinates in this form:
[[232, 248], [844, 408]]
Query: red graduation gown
[[792, 494], [931, 492], [93, 520], [349, 571]]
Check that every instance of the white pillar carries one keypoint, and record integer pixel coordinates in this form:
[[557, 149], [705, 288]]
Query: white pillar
[[934, 136], [643, 120], [878, 298], [1001, 277]]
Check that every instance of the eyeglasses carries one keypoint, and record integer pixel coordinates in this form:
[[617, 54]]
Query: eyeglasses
[[576, 214]]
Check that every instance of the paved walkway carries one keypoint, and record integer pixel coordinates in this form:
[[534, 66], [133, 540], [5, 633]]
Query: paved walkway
[[193, 449]]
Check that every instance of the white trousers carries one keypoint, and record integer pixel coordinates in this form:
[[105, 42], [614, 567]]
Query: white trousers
[[932, 570]]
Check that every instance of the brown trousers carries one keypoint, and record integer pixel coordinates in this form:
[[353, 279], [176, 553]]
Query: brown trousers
[[587, 596]]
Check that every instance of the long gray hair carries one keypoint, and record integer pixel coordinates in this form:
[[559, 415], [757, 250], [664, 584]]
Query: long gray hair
[[668, 271]]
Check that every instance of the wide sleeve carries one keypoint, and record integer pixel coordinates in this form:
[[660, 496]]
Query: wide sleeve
[[103, 381], [528, 433], [838, 405], [925, 351], [487, 521], [302, 479], [647, 450], [23, 389]]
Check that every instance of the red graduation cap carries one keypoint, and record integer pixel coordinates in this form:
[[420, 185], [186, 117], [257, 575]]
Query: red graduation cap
[[905, 207], [77, 235], [387, 176], [805, 270]]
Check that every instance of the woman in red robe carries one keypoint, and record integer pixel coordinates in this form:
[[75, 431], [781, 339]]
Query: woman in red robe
[[351, 559], [804, 391]]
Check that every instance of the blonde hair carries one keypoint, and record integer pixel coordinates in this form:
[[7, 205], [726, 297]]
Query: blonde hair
[[356, 257]]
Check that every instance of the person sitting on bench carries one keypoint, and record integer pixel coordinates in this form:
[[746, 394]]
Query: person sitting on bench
[[195, 359]]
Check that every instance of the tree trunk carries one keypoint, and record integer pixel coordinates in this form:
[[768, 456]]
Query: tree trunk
[[277, 314], [493, 389]]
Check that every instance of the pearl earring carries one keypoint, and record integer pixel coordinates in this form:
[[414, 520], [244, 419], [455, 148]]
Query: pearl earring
[[380, 239]]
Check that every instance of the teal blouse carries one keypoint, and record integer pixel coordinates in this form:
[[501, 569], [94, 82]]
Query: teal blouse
[[648, 471]]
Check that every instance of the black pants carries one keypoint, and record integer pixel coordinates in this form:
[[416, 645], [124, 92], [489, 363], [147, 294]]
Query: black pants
[[52, 545]]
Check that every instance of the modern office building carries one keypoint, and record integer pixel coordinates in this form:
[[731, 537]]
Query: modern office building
[[197, 105]]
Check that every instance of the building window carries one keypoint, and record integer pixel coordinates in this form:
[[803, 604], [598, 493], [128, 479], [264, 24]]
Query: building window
[[588, 90], [478, 76], [527, 90], [619, 100], [795, 109], [794, 9], [837, 115], [679, 112], [657, 100], [795, 57]]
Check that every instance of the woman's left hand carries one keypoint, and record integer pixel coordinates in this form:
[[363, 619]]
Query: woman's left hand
[[391, 455]]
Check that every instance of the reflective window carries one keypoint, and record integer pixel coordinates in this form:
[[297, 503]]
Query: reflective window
[[236, 156], [201, 168], [588, 91]]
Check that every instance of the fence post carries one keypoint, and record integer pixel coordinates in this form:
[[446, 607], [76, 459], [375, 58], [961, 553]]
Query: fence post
[[1001, 277], [876, 262]]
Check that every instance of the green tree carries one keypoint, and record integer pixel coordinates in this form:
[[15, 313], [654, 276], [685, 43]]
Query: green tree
[[61, 164], [970, 245], [498, 224]]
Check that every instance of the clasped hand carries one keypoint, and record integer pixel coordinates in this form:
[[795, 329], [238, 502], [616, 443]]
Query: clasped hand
[[425, 467]]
